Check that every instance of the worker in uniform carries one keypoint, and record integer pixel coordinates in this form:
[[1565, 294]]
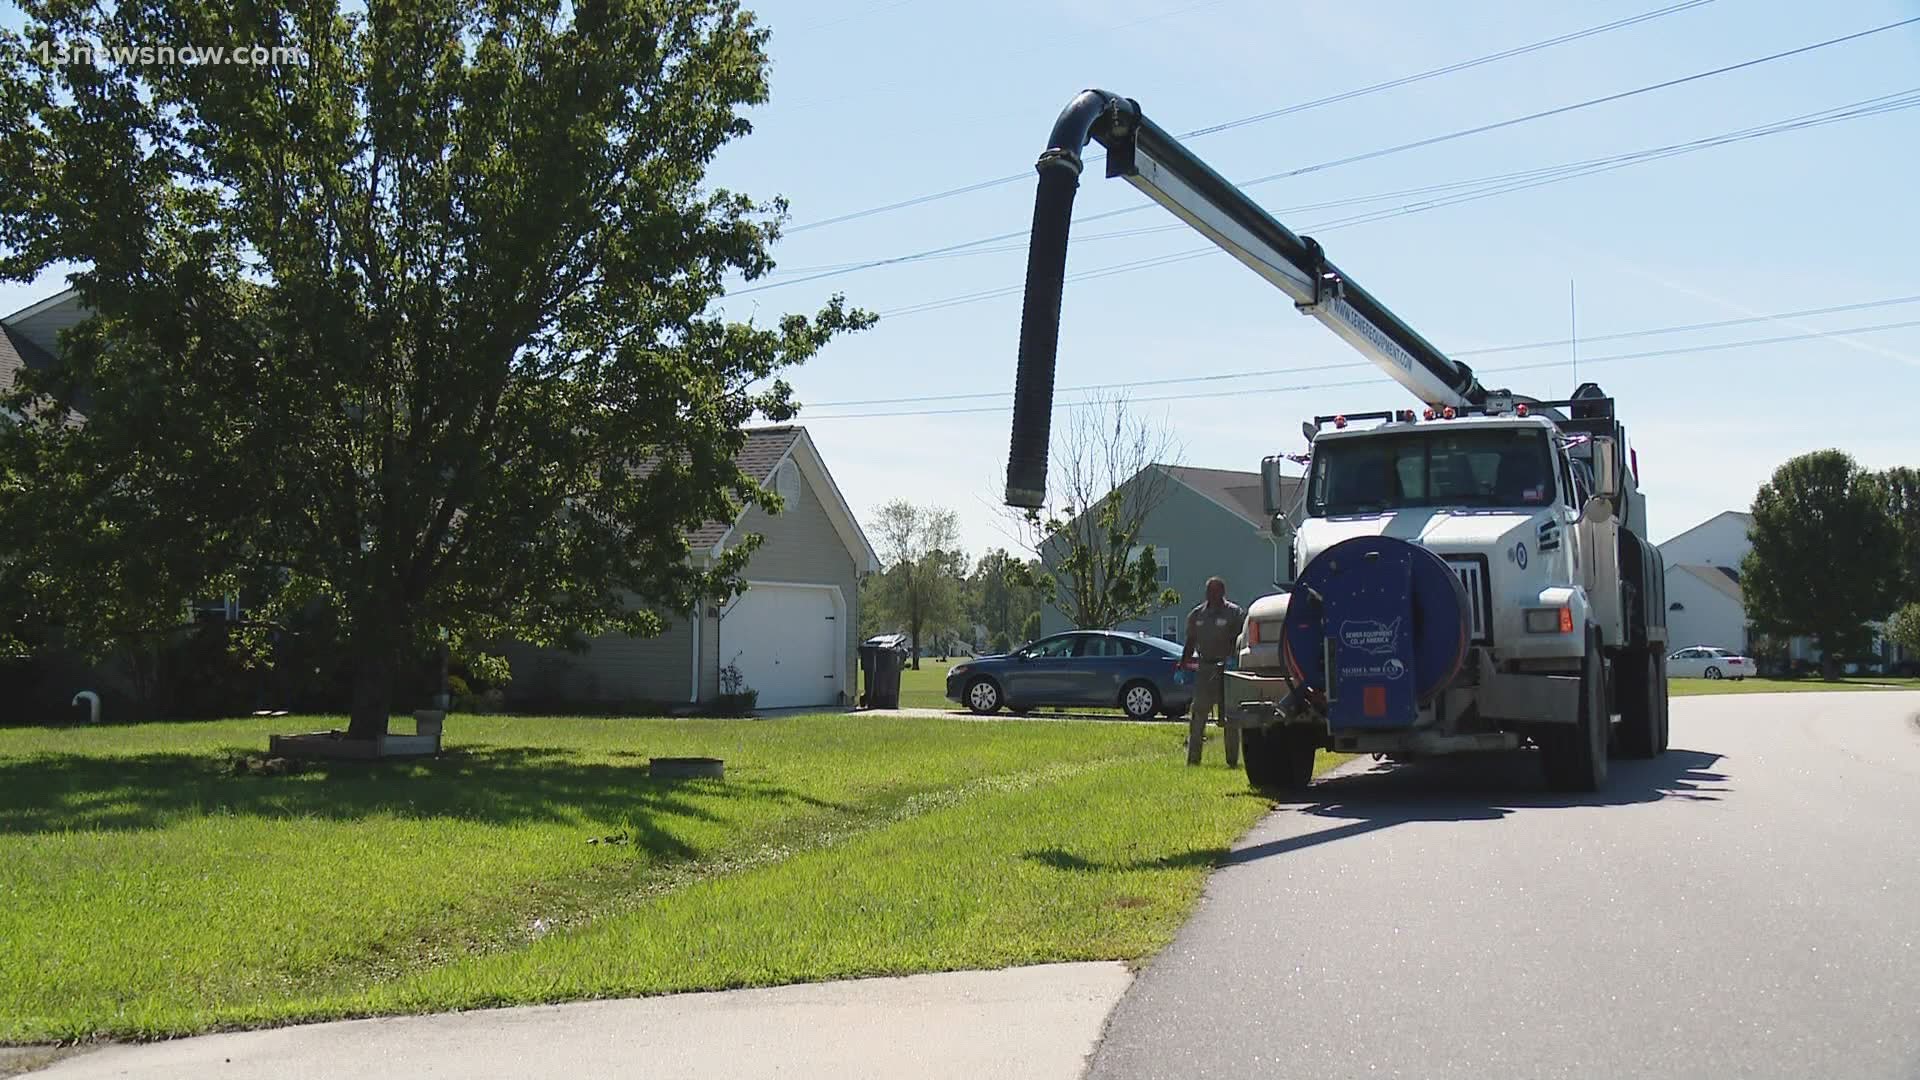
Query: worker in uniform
[[1213, 631]]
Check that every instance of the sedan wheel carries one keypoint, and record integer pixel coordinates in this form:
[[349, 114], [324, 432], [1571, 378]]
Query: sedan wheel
[[1140, 700], [983, 696], [1713, 673]]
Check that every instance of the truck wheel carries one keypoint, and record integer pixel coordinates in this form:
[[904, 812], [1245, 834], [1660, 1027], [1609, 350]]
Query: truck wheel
[[1575, 755], [1640, 690], [1278, 759]]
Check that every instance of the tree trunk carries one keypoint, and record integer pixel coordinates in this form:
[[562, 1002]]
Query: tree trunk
[[373, 671]]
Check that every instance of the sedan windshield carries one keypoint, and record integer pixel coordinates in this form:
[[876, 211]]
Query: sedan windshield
[[1461, 468]]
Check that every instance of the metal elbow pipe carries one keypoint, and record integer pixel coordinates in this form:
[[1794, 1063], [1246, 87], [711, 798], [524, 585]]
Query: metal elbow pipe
[[1059, 168], [93, 704]]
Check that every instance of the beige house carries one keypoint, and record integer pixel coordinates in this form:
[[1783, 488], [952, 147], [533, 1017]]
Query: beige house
[[791, 636]]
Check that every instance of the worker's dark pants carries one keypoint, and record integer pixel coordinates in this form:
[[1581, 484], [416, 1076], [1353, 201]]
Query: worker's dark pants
[[1209, 694]]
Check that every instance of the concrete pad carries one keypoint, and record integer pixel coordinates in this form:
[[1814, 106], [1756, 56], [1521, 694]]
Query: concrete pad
[[1034, 1022]]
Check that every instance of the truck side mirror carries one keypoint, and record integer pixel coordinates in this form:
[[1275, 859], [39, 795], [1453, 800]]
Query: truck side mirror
[[1606, 467], [1597, 510], [1271, 489]]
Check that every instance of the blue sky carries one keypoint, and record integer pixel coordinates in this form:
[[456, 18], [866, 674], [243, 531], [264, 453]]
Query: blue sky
[[875, 101]]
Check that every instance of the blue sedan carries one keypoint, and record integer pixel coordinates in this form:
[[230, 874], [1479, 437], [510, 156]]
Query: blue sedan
[[1081, 667]]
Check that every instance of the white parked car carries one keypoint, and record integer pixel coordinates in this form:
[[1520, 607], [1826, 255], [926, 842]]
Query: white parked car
[[1707, 662]]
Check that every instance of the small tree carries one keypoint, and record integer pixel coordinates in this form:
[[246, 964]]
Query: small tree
[[1030, 629], [1002, 593], [1904, 628], [1825, 558], [920, 587], [1107, 476]]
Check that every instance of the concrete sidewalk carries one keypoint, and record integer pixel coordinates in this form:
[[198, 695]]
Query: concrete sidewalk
[[1035, 1022]]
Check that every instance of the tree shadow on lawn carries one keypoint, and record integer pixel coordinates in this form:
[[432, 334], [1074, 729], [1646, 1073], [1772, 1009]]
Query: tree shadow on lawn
[[491, 785], [1061, 859]]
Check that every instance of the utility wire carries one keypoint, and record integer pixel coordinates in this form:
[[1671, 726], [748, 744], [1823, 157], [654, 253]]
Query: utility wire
[[1485, 187], [1379, 380], [1263, 372], [1369, 155], [1345, 95]]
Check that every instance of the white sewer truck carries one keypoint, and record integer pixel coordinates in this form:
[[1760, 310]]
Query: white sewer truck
[[1470, 574]]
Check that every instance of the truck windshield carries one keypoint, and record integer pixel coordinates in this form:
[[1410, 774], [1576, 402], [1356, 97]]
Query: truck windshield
[[1461, 467]]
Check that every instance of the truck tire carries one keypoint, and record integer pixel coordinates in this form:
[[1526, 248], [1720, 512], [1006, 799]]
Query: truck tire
[[1637, 681], [1278, 759], [1574, 756]]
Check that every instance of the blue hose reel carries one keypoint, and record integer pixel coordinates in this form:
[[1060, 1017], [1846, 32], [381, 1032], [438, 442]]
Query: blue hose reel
[[1377, 626]]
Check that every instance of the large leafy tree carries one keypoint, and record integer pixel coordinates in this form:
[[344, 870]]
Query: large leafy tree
[[1902, 488], [418, 326], [1826, 554]]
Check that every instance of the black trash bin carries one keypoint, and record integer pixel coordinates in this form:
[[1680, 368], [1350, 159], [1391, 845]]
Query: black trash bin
[[880, 664]]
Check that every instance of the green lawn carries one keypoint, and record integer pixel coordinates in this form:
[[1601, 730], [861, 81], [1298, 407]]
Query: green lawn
[[149, 892], [927, 688], [1687, 687]]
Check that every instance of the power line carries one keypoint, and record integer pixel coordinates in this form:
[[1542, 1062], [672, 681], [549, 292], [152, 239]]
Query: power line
[[1230, 375], [1367, 156], [1482, 188], [1242, 391], [1042, 47], [1345, 95]]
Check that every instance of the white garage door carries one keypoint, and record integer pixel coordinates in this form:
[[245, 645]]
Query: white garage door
[[784, 639]]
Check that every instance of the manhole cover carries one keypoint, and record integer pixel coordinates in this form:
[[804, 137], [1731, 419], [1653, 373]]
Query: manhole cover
[[687, 768]]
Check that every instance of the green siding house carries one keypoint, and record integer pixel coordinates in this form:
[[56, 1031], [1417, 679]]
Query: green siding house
[[1206, 522]]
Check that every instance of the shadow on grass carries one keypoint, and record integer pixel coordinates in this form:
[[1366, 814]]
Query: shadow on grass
[[1067, 860], [492, 785]]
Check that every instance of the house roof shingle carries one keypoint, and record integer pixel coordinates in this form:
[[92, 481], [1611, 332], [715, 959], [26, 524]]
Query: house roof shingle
[[765, 448], [1237, 491], [16, 352]]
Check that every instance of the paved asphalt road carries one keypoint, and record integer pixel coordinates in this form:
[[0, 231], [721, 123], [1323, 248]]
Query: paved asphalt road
[[1746, 906]]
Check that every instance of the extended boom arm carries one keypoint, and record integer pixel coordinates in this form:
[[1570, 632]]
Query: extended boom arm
[[1152, 161]]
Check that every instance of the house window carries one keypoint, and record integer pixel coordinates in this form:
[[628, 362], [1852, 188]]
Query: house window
[[224, 609], [1162, 561], [786, 482], [1170, 627]]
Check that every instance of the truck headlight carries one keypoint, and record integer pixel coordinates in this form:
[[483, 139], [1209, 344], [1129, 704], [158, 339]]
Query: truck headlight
[[1264, 631], [1550, 620]]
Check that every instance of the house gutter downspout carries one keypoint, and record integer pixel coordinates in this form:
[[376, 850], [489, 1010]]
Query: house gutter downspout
[[693, 617]]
